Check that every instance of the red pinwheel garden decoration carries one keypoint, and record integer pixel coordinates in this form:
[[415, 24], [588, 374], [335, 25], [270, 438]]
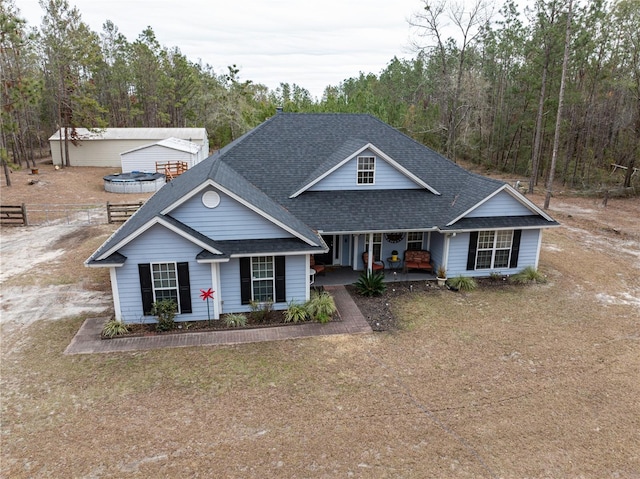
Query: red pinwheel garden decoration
[[206, 295]]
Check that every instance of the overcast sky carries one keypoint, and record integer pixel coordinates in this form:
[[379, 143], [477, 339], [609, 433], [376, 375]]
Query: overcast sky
[[312, 44]]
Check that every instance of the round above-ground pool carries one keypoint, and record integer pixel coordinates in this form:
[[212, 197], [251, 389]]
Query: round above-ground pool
[[134, 182]]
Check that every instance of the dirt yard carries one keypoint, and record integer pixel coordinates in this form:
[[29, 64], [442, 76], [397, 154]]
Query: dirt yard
[[509, 382]]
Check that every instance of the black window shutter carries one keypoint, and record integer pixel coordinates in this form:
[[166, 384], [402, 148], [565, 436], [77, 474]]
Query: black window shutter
[[515, 249], [245, 280], [184, 290], [146, 288], [281, 293], [473, 247]]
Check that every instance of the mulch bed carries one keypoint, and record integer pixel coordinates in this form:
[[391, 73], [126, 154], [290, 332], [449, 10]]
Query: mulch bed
[[273, 320], [377, 309]]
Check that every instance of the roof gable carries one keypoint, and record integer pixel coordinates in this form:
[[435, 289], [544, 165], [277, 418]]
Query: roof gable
[[348, 153], [505, 201], [222, 215], [168, 222], [210, 172]]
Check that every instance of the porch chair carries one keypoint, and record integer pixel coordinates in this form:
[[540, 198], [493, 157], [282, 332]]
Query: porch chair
[[317, 267], [375, 266]]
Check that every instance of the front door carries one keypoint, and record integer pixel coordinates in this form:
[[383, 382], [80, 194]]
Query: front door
[[333, 255]]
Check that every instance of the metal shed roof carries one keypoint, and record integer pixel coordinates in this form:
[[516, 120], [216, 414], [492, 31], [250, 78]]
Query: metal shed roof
[[173, 143], [136, 134]]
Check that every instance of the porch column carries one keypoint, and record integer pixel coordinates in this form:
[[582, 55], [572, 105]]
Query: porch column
[[370, 255], [114, 292], [217, 295], [354, 262]]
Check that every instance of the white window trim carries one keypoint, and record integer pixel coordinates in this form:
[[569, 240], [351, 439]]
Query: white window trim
[[362, 170], [376, 240], [494, 249], [176, 288], [421, 233], [254, 279]]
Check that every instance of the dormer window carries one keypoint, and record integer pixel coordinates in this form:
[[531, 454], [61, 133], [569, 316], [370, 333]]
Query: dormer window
[[366, 170]]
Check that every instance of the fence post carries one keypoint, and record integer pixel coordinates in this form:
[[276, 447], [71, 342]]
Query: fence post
[[108, 213], [24, 214]]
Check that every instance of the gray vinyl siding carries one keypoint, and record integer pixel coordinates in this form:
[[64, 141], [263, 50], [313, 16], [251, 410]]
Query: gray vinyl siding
[[345, 250], [503, 204], [230, 220], [145, 159], [437, 250], [345, 178], [459, 249], [296, 287], [158, 245]]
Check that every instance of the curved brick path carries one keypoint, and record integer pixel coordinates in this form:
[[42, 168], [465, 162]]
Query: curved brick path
[[87, 339]]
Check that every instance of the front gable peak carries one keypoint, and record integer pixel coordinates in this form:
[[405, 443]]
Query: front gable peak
[[364, 161]]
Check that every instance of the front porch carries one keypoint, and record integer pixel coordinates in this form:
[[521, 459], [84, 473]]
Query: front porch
[[341, 275]]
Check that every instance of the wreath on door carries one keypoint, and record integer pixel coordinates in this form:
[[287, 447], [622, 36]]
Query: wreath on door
[[394, 237]]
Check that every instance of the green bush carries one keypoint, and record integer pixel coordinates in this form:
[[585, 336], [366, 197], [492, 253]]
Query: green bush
[[113, 327], [261, 310], [321, 306], [462, 283], [370, 284], [235, 320], [528, 275], [166, 311], [495, 276], [296, 313]]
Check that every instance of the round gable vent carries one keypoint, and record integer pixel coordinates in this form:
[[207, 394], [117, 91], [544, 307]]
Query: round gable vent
[[210, 199]]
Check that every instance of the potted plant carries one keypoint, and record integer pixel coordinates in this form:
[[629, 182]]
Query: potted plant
[[441, 275], [394, 255]]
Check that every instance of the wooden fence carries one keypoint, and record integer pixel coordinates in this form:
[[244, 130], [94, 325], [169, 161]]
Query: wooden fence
[[121, 212], [41, 214], [13, 215]]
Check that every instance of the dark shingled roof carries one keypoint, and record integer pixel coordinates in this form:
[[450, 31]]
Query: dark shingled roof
[[271, 162], [278, 156], [259, 246], [500, 222]]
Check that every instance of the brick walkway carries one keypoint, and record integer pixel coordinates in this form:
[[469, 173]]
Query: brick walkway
[[87, 339]]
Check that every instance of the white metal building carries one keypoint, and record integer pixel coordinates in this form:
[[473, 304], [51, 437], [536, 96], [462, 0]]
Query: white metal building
[[103, 147], [144, 158]]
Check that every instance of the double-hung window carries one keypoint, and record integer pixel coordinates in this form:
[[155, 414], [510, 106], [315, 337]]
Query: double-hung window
[[262, 278], [494, 249], [377, 246], [366, 170], [165, 281], [414, 240]]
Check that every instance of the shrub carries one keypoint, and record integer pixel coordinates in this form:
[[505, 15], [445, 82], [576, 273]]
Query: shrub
[[234, 320], [113, 327], [261, 310], [166, 311], [370, 284], [528, 275], [295, 313], [321, 306], [442, 272], [463, 283], [495, 276]]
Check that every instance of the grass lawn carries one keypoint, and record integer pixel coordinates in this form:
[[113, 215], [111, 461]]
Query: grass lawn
[[533, 381]]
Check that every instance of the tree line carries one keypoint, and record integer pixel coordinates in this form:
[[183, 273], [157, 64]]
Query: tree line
[[486, 92]]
